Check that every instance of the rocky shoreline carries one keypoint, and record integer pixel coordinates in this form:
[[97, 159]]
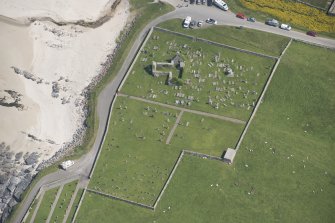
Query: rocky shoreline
[[18, 170]]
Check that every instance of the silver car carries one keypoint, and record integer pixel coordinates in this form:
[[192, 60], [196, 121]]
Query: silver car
[[272, 22]]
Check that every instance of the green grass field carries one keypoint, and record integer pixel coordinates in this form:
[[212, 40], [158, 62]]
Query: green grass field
[[206, 87], [283, 172], [63, 202], [45, 207], [206, 135], [249, 39]]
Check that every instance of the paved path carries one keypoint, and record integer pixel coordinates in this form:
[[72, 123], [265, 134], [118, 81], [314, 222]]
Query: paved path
[[174, 127], [83, 166], [237, 121], [54, 204]]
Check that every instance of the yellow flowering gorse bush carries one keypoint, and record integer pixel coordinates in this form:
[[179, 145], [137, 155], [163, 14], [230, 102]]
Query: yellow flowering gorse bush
[[294, 13]]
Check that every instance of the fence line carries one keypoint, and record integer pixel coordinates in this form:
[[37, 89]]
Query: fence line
[[202, 155], [135, 59], [169, 178], [215, 43], [79, 204], [261, 97]]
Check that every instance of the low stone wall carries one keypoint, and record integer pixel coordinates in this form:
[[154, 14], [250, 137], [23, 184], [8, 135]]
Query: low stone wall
[[201, 155], [79, 204], [121, 199], [168, 180]]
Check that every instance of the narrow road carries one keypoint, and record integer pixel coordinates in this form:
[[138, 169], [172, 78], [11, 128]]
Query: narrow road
[[83, 166]]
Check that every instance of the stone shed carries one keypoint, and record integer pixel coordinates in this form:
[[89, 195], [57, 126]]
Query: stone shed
[[229, 156]]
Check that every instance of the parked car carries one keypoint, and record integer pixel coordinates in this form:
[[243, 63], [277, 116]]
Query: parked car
[[187, 21], [192, 24], [200, 23], [211, 21], [198, 2], [285, 27], [311, 33], [240, 15], [203, 2], [272, 22], [251, 19]]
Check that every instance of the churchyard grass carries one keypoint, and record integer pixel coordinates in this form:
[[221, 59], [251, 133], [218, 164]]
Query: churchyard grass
[[205, 86]]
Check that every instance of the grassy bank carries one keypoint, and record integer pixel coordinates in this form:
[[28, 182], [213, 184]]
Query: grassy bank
[[144, 13], [249, 39]]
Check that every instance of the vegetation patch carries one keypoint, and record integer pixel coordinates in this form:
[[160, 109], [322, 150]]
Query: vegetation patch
[[215, 80], [294, 13]]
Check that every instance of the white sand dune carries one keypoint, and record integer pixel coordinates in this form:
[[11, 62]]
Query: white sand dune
[[68, 55]]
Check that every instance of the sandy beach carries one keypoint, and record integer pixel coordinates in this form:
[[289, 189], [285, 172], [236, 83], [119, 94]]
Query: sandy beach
[[45, 67]]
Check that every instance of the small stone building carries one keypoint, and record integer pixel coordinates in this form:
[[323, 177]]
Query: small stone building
[[229, 156]]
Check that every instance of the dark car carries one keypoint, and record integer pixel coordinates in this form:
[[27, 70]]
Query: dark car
[[311, 33], [251, 19], [192, 24], [211, 21], [240, 15], [272, 22]]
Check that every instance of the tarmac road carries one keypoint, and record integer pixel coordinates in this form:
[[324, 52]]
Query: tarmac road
[[83, 166]]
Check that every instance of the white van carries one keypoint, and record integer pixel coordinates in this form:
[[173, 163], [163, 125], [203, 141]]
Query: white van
[[221, 4], [187, 22]]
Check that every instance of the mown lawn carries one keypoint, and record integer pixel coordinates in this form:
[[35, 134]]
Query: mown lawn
[[249, 39], [283, 172], [63, 202], [205, 86], [206, 135]]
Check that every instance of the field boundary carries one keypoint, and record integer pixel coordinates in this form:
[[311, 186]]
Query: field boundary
[[274, 68], [169, 178], [79, 204], [194, 38], [120, 199]]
